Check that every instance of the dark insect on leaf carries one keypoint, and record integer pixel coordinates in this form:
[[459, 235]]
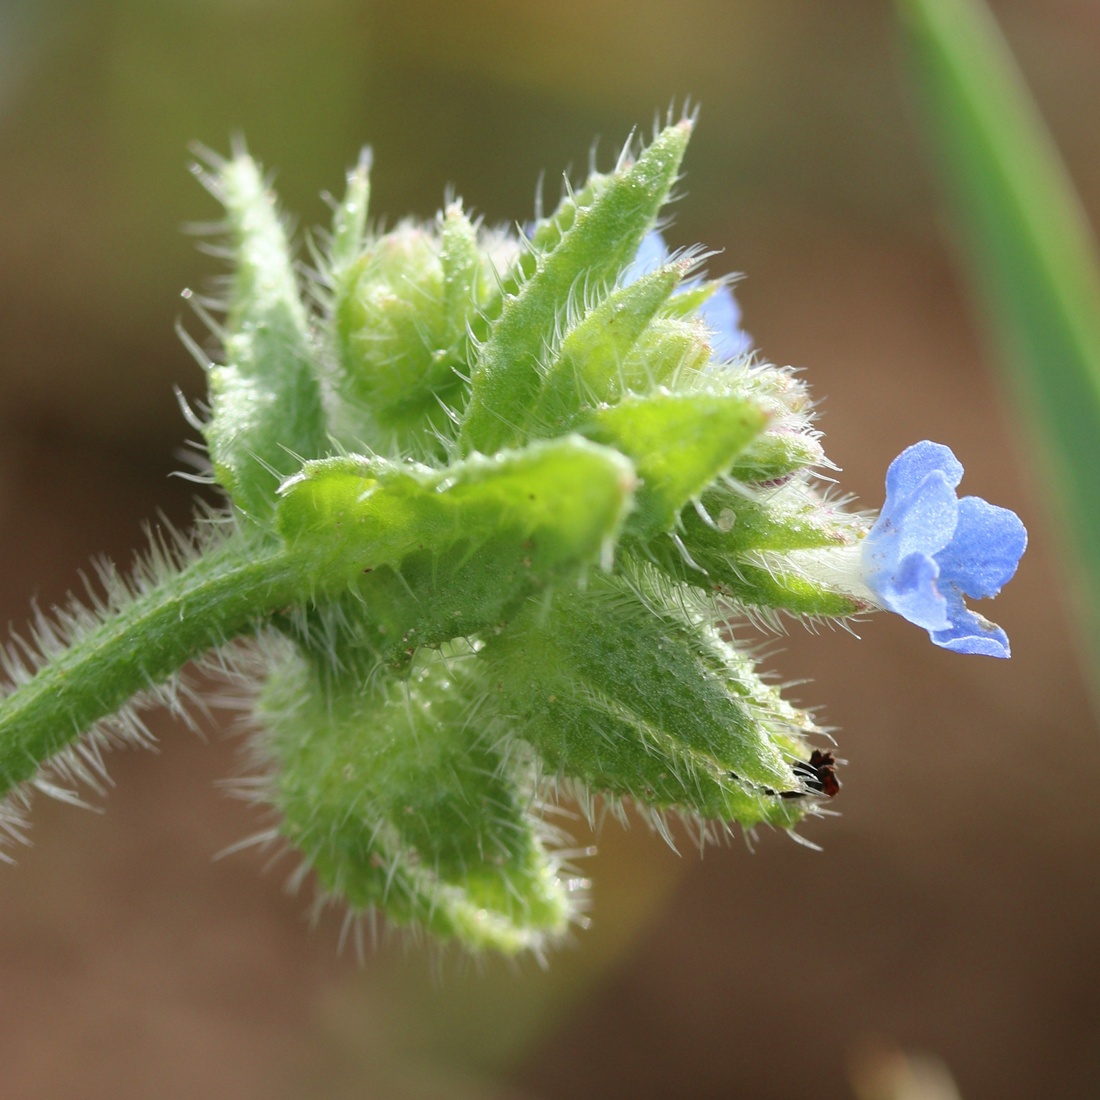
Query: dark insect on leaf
[[818, 774]]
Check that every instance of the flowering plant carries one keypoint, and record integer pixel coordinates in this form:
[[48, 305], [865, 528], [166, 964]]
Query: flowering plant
[[494, 502]]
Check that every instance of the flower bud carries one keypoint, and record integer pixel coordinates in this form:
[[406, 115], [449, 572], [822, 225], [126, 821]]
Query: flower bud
[[397, 343]]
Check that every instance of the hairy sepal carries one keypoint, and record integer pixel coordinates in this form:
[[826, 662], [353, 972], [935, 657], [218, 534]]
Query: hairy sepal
[[601, 240], [265, 400], [495, 526], [679, 443], [349, 219], [746, 544], [790, 445], [397, 801], [587, 370], [632, 697]]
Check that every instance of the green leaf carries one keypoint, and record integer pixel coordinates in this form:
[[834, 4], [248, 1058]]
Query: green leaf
[[734, 519], [398, 801], [777, 587], [777, 454], [602, 239], [266, 413], [555, 505], [588, 368], [1028, 250], [779, 548], [349, 220], [679, 443], [461, 263], [618, 690], [544, 236]]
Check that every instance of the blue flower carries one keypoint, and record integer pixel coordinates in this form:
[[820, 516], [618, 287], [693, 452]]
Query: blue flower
[[720, 312], [929, 549]]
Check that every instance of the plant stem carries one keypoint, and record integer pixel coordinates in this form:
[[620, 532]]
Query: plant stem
[[221, 595]]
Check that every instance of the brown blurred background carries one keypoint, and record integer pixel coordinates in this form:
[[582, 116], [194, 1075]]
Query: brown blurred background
[[952, 910]]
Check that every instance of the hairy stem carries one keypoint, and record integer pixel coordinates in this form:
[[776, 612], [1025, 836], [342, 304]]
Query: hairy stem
[[219, 596]]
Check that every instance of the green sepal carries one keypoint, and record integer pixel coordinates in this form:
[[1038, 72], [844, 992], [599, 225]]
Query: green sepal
[[761, 582], [786, 589], [588, 368], [670, 352], [397, 801], [627, 694], [460, 262], [790, 444], [750, 545], [777, 454], [691, 299], [546, 233], [543, 236], [755, 546], [679, 444], [736, 519], [601, 241], [349, 220], [552, 506], [265, 401]]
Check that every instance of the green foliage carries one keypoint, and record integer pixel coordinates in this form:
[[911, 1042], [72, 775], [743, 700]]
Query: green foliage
[[601, 239], [460, 854], [486, 494], [265, 399], [679, 443], [618, 688], [592, 363]]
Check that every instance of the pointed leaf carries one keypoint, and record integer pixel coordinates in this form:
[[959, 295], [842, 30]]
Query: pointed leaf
[[600, 242], [679, 443], [588, 369], [266, 412], [633, 698], [556, 505]]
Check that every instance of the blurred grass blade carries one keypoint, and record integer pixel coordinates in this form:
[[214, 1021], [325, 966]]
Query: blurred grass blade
[[1029, 253]]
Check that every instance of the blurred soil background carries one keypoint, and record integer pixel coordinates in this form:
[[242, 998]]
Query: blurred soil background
[[954, 907]]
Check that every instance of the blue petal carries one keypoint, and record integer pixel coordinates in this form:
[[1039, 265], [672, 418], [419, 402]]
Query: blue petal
[[914, 464], [723, 317], [920, 522], [652, 252], [983, 555], [928, 549], [969, 632], [912, 593]]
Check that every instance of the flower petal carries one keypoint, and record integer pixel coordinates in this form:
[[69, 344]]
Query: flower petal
[[921, 521], [914, 464], [928, 549], [983, 555], [970, 632], [723, 317], [911, 591]]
